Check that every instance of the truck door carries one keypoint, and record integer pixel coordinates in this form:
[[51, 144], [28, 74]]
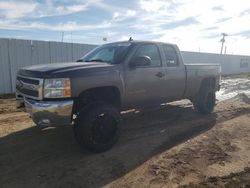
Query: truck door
[[144, 84], [175, 72]]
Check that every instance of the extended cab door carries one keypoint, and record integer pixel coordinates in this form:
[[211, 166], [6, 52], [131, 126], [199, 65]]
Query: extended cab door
[[144, 84], [175, 72]]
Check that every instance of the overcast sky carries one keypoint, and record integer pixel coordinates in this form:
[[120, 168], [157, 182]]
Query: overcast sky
[[195, 25]]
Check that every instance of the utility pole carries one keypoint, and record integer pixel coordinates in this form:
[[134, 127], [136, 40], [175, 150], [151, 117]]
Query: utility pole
[[222, 41], [62, 36]]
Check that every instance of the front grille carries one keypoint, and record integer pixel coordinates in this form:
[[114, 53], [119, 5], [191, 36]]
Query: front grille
[[28, 80], [28, 92], [29, 87]]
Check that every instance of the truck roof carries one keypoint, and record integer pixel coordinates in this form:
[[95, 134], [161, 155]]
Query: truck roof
[[140, 41]]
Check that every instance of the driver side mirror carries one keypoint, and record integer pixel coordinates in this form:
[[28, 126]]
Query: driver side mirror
[[140, 61]]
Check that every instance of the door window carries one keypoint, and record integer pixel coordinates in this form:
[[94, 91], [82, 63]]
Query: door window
[[150, 50]]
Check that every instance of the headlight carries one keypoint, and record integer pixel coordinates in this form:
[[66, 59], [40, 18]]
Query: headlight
[[57, 88]]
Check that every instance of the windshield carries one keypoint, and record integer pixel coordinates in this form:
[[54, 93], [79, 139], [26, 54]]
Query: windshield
[[110, 53]]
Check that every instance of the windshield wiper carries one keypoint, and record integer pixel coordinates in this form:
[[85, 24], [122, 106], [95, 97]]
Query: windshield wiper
[[98, 60], [79, 60], [93, 60]]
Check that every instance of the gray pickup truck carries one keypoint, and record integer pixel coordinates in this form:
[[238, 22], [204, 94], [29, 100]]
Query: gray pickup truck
[[91, 93]]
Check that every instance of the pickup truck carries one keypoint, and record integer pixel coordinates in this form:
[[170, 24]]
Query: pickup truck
[[90, 93]]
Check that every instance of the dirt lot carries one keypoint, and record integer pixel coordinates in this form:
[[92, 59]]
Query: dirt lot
[[171, 146]]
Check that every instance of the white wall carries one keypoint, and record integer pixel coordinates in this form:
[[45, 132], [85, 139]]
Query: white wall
[[15, 53], [230, 64], [5, 72]]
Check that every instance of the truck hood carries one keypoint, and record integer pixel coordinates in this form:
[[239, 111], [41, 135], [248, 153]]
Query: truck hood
[[60, 69]]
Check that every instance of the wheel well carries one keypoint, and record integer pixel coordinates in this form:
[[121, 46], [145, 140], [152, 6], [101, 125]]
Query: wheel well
[[208, 82], [109, 94]]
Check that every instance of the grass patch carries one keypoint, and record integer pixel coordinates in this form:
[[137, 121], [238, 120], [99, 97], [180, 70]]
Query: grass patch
[[7, 96]]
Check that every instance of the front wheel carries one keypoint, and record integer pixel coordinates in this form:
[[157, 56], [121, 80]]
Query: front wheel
[[98, 128], [205, 101]]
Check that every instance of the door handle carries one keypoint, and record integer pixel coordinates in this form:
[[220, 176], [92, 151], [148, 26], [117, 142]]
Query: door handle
[[160, 74]]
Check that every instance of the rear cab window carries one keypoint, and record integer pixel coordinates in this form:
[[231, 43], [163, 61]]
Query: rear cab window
[[170, 55]]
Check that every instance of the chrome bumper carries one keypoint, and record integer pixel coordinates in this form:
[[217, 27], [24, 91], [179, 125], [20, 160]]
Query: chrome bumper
[[47, 113]]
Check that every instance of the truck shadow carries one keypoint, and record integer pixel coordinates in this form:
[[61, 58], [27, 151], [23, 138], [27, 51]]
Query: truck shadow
[[52, 158]]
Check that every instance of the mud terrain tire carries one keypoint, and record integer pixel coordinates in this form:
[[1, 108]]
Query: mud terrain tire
[[97, 128], [204, 103]]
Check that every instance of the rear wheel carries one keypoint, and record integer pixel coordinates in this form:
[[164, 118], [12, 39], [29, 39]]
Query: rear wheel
[[97, 128], [205, 101]]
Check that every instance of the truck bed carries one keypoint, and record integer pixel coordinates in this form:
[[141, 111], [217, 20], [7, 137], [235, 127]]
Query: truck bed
[[195, 73]]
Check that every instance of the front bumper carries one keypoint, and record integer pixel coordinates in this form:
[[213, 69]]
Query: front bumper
[[47, 113]]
